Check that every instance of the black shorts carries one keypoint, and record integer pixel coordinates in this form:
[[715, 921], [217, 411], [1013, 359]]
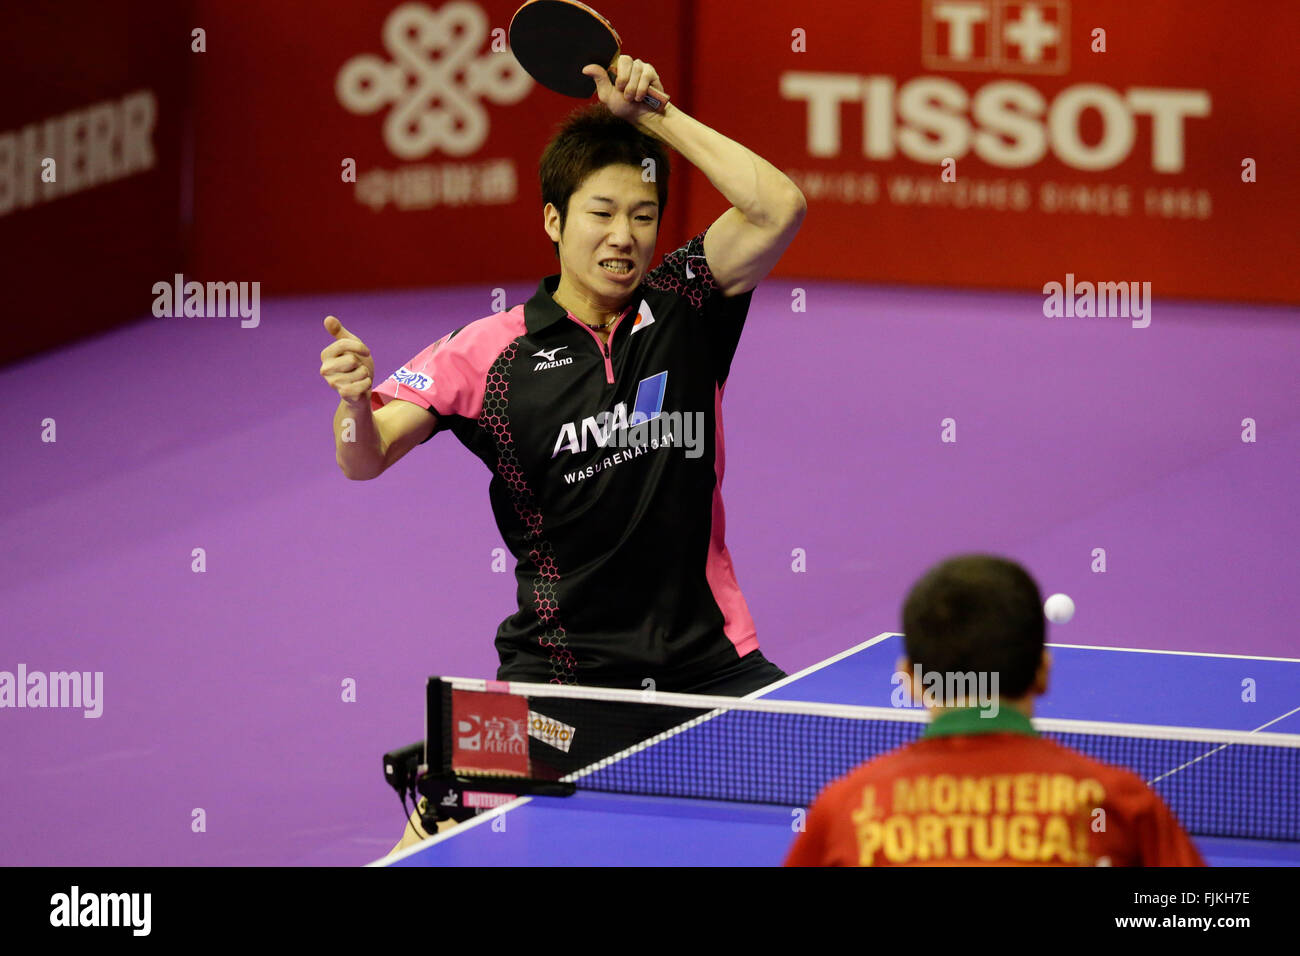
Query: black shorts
[[750, 673]]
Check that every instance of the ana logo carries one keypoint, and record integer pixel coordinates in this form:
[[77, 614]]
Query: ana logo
[[549, 360], [603, 427], [437, 56], [644, 316], [416, 380]]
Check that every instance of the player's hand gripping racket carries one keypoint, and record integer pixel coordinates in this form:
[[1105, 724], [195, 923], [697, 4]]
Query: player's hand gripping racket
[[554, 39]]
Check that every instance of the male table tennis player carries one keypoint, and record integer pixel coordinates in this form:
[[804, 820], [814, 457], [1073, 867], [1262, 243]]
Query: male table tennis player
[[986, 790], [622, 568]]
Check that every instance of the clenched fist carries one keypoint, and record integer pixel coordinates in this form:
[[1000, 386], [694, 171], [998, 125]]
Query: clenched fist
[[346, 365]]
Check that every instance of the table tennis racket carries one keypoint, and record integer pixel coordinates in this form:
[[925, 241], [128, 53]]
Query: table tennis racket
[[554, 39]]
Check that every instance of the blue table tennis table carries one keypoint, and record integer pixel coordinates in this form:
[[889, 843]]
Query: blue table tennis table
[[1087, 683]]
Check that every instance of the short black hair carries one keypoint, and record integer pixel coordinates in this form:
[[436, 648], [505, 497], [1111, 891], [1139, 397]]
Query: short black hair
[[977, 612], [589, 139]]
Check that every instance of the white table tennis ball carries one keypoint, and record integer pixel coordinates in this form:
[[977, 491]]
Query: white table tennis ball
[[1059, 608]]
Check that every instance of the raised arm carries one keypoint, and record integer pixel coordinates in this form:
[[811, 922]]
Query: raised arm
[[767, 208]]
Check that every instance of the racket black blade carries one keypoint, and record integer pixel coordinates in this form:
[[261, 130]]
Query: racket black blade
[[554, 39]]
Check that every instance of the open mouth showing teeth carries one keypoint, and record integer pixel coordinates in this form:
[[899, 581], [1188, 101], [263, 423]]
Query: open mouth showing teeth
[[617, 266]]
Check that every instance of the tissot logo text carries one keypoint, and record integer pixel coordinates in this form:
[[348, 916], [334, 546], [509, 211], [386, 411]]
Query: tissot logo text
[[1005, 123]]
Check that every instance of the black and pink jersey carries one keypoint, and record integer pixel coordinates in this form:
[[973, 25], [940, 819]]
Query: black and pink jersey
[[607, 465]]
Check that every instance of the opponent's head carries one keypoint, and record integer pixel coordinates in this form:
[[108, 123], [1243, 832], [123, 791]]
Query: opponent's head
[[982, 614], [605, 187]]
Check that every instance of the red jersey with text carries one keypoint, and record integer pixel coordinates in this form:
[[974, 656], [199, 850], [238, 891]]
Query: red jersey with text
[[980, 791], [607, 463]]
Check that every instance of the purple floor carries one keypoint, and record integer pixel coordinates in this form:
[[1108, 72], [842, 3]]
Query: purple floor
[[222, 690]]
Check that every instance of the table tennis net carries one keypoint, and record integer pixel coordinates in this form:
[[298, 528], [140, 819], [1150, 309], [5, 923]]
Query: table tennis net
[[1217, 782]]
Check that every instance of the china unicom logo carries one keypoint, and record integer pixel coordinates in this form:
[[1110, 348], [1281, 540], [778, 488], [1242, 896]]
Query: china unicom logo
[[437, 76]]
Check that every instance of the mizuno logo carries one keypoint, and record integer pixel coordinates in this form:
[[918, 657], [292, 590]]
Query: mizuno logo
[[549, 360]]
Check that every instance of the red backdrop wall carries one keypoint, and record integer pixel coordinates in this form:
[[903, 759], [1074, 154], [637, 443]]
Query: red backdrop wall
[[227, 164], [445, 132], [100, 88], [1122, 165]]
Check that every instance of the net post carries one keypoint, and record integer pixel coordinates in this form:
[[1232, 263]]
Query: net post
[[437, 732]]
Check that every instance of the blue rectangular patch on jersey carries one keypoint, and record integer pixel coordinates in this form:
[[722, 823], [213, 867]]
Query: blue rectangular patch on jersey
[[649, 398]]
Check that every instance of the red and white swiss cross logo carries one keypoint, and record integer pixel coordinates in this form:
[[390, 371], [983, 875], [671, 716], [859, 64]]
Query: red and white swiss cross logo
[[1007, 36]]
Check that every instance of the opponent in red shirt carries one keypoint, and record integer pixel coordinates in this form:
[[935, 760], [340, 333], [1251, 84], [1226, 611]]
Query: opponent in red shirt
[[981, 787]]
